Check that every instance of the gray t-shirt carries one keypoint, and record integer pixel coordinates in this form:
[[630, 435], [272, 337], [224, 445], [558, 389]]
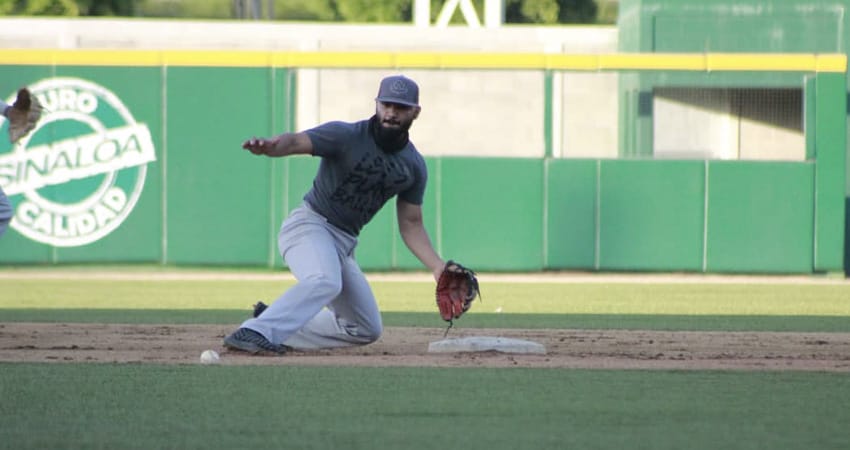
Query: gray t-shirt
[[356, 178]]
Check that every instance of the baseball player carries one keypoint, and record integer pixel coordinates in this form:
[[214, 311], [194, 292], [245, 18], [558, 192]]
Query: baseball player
[[5, 206], [363, 165], [5, 212], [22, 120]]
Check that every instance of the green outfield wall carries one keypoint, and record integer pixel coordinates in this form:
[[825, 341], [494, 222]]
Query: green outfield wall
[[140, 161], [744, 27]]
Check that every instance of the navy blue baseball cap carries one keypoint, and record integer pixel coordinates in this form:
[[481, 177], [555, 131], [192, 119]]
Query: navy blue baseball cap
[[398, 89]]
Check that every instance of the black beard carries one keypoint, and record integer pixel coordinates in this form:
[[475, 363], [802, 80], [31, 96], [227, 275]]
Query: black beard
[[389, 139]]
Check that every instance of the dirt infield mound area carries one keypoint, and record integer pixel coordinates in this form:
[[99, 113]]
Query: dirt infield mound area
[[609, 349]]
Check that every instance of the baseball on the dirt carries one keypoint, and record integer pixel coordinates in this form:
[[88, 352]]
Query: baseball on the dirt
[[209, 357]]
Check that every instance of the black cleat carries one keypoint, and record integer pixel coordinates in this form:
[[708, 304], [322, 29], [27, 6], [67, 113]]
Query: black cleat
[[259, 307], [248, 340]]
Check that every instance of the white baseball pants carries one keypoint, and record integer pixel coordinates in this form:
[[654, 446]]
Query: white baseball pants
[[331, 305]]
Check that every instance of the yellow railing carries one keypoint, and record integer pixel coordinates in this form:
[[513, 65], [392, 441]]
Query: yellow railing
[[772, 62]]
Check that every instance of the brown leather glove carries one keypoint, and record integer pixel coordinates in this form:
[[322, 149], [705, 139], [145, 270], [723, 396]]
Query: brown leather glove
[[23, 115], [457, 287]]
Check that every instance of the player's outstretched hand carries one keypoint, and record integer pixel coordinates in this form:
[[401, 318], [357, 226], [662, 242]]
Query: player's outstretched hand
[[259, 146]]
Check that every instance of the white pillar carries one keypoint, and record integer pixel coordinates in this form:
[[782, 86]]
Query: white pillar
[[494, 13], [307, 114], [557, 103], [422, 13]]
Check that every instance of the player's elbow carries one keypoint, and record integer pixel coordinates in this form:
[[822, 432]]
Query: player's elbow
[[410, 224]]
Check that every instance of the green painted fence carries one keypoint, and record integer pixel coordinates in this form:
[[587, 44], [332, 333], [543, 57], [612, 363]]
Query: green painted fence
[[760, 26], [208, 202]]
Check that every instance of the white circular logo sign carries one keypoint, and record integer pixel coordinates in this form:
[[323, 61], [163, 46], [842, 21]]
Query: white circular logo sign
[[80, 172]]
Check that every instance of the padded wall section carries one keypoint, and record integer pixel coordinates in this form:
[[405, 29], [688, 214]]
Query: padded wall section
[[491, 212], [572, 215], [651, 215], [217, 209], [760, 217]]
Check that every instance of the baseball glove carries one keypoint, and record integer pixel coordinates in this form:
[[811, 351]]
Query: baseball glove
[[23, 115], [457, 287]]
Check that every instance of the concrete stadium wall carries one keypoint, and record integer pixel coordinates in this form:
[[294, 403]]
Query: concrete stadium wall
[[465, 112]]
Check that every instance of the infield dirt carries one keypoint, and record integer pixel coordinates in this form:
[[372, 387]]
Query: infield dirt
[[596, 349]]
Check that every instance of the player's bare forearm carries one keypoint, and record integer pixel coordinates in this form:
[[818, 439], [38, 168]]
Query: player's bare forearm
[[281, 145], [416, 238], [418, 242]]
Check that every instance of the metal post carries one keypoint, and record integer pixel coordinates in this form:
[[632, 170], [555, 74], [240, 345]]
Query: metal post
[[256, 9]]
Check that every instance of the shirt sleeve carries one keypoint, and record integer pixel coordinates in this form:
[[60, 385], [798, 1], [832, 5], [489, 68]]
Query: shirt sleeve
[[416, 193], [329, 139]]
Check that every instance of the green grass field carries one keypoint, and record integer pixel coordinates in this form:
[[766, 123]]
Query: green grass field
[[115, 406]]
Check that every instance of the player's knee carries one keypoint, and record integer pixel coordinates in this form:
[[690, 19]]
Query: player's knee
[[323, 286], [372, 333], [363, 333]]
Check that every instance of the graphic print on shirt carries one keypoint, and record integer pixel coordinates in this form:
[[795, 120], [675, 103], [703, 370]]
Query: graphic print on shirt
[[371, 182]]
